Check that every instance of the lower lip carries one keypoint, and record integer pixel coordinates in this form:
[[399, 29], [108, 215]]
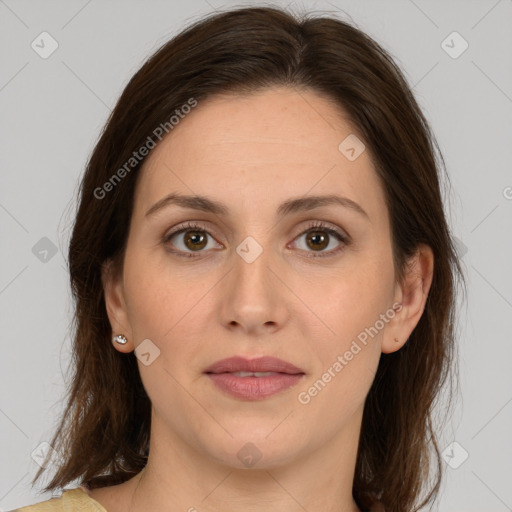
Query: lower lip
[[254, 388]]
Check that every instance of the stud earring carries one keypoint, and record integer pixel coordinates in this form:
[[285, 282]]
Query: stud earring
[[120, 339]]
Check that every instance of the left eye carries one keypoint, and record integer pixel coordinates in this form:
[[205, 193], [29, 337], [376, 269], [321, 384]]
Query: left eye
[[318, 238]]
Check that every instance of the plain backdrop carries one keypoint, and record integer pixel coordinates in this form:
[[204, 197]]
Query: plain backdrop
[[52, 111]]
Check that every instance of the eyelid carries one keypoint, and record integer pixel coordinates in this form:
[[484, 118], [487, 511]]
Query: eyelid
[[321, 225], [188, 226]]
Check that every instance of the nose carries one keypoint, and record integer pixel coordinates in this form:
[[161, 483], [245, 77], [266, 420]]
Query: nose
[[255, 300]]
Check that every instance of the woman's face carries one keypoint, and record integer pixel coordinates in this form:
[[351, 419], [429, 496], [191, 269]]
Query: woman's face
[[257, 279]]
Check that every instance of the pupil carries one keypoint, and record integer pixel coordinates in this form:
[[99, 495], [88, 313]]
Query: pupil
[[196, 239], [319, 236]]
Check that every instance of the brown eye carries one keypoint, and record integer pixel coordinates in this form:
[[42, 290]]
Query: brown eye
[[317, 240], [189, 239], [195, 239], [319, 237]]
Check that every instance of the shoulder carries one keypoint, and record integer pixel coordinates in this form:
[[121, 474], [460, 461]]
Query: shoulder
[[71, 499]]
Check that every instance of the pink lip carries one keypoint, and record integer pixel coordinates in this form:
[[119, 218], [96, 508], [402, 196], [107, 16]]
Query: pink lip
[[259, 364], [285, 376]]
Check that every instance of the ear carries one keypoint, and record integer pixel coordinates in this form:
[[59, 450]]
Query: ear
[[115, 304], [412, 294]]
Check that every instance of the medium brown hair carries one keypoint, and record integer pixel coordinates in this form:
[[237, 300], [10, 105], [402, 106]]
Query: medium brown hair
[[104, 433]]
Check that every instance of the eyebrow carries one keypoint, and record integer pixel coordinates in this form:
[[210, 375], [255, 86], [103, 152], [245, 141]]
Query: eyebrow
[[202, 203]]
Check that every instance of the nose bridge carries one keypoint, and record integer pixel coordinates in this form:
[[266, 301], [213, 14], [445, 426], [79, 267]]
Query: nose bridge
[[254, 299], [251, 264]]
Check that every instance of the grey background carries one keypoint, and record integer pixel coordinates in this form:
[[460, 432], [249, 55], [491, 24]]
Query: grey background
[[52, 111]]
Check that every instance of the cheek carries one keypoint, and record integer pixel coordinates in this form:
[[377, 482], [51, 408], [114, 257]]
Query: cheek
[[347, 354], [172, 310], [158, 296], [351, 299], [335, 396], [161, 307], [347, 349]]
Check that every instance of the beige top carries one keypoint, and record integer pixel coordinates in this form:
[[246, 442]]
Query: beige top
[[71, 499]]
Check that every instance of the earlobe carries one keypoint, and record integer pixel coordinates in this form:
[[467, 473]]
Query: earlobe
[[115, 305], [412, 294]]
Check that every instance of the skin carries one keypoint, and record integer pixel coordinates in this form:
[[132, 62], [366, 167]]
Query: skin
[[252, 153]]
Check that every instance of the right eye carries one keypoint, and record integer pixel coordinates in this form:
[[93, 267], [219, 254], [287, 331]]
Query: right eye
[[195, 239]]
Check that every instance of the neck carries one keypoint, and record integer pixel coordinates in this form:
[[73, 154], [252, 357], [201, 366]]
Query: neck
[[179, 476]]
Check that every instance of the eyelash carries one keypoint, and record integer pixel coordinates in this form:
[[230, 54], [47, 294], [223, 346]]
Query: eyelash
[[314, 225]]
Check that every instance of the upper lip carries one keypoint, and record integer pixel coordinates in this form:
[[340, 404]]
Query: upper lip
[[259, 364]]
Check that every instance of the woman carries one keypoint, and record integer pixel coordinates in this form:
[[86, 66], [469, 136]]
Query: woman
[[264, 281]]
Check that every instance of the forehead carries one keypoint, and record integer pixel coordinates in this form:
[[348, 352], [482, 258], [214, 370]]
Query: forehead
[[261, 148]]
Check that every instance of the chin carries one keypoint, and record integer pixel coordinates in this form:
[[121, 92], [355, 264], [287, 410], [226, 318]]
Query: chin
[[256, 449]]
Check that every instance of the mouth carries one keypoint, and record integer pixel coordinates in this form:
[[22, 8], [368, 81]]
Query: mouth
[[254, 379], [257, 366], [252, 374]]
